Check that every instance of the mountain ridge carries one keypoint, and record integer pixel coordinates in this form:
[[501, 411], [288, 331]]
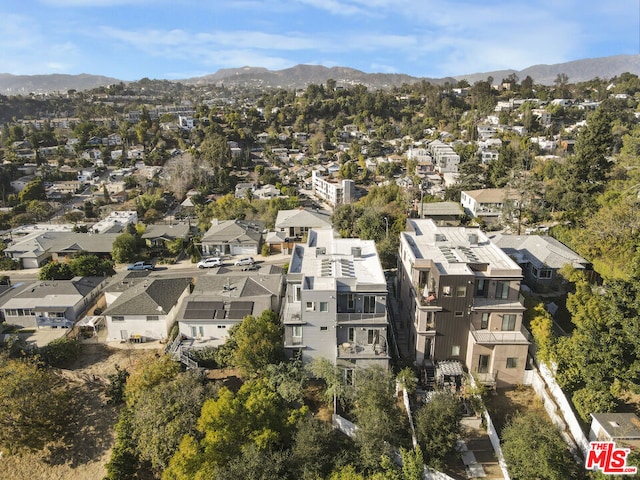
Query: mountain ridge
[[301, 75]]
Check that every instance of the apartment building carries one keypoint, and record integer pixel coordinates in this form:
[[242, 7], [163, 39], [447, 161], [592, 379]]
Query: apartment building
[[459, 297], [335, 304], [333, 191]]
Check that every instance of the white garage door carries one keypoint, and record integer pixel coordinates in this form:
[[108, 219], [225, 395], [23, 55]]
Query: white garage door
[[243, 250]]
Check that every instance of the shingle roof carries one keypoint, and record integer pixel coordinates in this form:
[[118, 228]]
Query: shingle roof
[[231, 231], [155, 296], [541, 250]]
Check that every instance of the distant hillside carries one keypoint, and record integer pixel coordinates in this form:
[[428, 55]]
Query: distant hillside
[[25, 84], [577, 71], [302, 75]]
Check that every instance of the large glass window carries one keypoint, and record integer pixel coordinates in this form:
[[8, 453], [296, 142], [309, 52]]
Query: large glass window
[[369, 304], [324, 306], [296, 334], [351, 302], [461, 291], [481, 287], [502, 290], [512, 362], [483, 364], [509, 322]]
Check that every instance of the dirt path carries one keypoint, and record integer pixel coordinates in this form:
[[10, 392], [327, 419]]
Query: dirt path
[[84, 455]]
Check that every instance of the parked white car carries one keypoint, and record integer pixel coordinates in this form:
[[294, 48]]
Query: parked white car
[[244, 261], [210, 262]]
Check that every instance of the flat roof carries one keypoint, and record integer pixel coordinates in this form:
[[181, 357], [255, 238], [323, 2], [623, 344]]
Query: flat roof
[[453, 249]]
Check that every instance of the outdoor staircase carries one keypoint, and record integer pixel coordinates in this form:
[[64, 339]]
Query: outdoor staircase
[[177, 353], [429, 374]]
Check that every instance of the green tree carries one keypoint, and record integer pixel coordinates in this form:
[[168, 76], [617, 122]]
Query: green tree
[[534, 449], [35, 405], [126, 247], [542, 331], [34, 190], [380, 421], [438, 427], [152, 372], [255, 416], [164, 413], [91, 266], [55, 271], [61, 351], [259, 342]]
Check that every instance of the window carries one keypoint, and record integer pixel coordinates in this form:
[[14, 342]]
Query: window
[[201, 331], [502, 290], [512, 362], [483, 364], [351, 334], [348, 376], [324, 306], [322, 329], [446, 291], [310, 307], [296, 335], [373, 336], [351, 302], [369, 304], [455, 350], [481, 287], [461, 291], [152, 318], [484, 323], [117, 318], [545, 274], [459, 313], [222, 326], [296, 292], [509, 322], [194, 331]]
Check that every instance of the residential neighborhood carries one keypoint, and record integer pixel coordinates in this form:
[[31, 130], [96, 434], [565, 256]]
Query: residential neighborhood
[[462, 247]]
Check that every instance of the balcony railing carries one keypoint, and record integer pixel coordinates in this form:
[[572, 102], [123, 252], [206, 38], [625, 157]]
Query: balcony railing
[[490, 337], [56, 322], [356, 350], [359, 317]]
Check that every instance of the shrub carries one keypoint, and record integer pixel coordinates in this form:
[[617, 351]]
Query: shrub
[[61, 351]]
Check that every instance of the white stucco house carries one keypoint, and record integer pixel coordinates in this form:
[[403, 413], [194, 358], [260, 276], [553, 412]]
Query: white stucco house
[[140, 308]]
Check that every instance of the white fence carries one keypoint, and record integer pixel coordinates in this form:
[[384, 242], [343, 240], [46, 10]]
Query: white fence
[[565, 407]]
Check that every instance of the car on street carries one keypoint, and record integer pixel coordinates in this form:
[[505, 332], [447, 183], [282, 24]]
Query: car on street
[[210, 262], [253, 266], [244, 261], [141, 266]]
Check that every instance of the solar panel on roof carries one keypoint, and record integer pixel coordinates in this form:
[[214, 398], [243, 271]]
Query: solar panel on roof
[[241, 306], [199, 314], [203, 305], [201, 310]]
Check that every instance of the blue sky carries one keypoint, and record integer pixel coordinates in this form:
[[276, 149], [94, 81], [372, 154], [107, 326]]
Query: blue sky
[[174, 39]]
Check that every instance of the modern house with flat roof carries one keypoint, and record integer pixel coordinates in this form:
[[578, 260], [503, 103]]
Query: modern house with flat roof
[[333, 191], [335, 303], [459, 295]]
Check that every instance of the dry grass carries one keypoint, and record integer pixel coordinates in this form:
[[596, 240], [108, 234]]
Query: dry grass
[[85, 452], [509, 401]]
